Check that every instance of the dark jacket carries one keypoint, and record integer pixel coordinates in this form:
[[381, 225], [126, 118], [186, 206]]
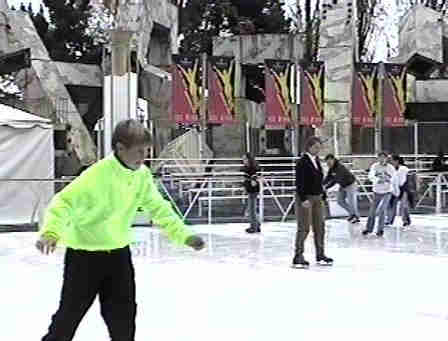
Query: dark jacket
[[410, 187], [339, 174], [308, 178], [250, 175], [439, 164]]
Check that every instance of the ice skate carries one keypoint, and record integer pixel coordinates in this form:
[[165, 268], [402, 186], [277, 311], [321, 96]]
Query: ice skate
[[300, 263], [324, 261]]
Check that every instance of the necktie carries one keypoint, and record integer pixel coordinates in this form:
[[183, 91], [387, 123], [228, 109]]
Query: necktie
[[319, 167]]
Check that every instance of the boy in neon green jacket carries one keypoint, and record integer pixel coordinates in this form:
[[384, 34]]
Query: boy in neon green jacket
[[92, 217]]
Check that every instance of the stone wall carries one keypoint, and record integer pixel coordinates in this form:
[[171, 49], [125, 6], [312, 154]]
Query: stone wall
[[426, 31], [432, 91], [256, 48], [420, 40], [336, 48], [43, 84], [80, 74]]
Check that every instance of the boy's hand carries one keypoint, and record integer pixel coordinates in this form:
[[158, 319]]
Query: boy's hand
[[195, 242], [306, 204], [46, 244]]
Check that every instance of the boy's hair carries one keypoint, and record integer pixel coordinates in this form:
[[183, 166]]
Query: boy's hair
[[311, 141], [396, 157], [382, 154], [130, 133], [330, 157], [252, 162]]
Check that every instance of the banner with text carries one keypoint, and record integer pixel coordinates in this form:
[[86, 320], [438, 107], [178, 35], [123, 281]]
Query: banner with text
[[186, 99], [364, 94], [278, 82], [221, 95], [394, 95], [312, 93]]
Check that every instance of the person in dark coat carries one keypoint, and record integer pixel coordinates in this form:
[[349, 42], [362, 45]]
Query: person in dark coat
[[439, 163], [252, 187], [347, 195], [309, 204]]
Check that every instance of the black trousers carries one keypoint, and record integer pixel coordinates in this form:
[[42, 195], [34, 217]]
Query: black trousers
[[86, 274]]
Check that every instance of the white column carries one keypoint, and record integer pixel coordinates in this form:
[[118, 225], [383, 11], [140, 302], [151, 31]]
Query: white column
[[120, 88]]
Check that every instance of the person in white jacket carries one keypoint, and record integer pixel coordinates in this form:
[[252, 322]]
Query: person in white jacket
[[399, 192], [380, 174]]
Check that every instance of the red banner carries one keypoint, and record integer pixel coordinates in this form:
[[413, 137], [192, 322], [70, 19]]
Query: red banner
[[364, 94], [221, 98], [278, 93], [312, 93], [185, 92], [394, 95]]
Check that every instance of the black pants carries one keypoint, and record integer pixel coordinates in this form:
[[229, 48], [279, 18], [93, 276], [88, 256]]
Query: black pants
[[86, 274]]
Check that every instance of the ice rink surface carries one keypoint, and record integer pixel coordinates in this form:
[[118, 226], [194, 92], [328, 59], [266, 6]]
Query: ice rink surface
[[241, 288]]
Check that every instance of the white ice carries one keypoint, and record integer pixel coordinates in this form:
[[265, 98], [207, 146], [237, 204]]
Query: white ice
[[241, 288]]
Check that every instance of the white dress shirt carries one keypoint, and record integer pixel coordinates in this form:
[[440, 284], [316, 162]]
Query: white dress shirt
[[313, 160]]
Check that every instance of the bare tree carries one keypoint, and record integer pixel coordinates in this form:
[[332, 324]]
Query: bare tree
[[306, 20], [366, 16], [309, 14]]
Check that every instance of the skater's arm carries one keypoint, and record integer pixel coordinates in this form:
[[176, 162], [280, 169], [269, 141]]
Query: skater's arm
[[402, 175], [329, 181], [372, 174], [162, 213], [61, 210]]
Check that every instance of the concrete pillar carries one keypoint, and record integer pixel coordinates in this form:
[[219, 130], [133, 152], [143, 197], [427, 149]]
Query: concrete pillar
[[120, 88], [337, 44]]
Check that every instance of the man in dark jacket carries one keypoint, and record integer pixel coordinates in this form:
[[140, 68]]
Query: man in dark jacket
[[309, 204], [347, 195]]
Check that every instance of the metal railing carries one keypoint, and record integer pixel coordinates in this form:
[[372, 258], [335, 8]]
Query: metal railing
[[223, 183]]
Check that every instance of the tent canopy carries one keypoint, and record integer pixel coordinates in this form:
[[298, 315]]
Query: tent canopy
[[26, 152], [20, 119]]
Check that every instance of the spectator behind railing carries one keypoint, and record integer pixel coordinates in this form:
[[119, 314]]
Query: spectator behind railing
[[252, 186], [439, 164]]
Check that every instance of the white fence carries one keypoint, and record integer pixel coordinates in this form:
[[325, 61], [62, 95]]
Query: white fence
[[222, 184]]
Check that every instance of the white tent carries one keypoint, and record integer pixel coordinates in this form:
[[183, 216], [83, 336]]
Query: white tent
[[26, 152]]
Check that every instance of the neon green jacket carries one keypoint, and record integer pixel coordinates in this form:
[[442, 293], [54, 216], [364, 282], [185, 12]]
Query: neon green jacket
[[96, 211]]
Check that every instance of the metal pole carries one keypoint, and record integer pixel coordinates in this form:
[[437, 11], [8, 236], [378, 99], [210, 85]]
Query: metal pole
[[261, 203], [335, 138], [129, 71], [203, 110], [237, 87], [416, 151], [379, 112], [297, 106], [439, 194], [111, 112], [248, 147], [151, 129], [293, 138]]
